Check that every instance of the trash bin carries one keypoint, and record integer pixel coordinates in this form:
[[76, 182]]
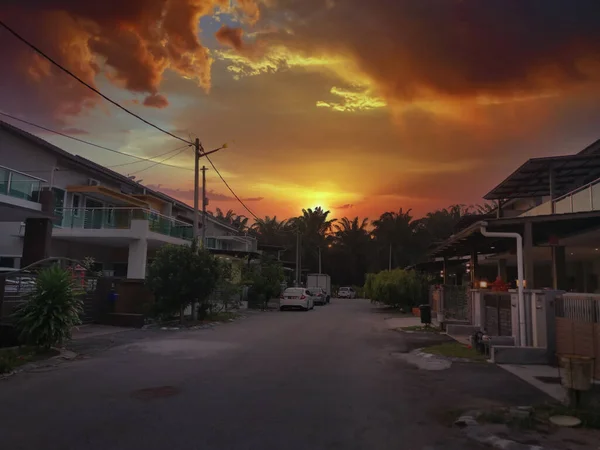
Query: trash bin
[[576, 372], [425, 313]]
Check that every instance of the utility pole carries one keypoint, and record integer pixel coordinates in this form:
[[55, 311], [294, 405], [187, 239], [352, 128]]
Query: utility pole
[[196, 187], [204, 203]]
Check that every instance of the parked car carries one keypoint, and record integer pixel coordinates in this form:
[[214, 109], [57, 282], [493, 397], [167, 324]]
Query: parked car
[[346, 292], [319, 295], [297, 297]]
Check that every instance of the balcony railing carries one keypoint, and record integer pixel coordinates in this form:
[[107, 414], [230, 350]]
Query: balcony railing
[[19, 185], [120, 218], [584, 198]]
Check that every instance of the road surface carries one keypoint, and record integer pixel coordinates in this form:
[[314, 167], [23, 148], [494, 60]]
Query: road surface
[[324, 379]]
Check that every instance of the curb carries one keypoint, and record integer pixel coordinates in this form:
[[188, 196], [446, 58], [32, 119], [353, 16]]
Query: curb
[[65, 355], [471, 428], [154, 326]]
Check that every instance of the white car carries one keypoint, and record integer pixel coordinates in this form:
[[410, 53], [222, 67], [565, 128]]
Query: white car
[[346, 292], [296, 297]]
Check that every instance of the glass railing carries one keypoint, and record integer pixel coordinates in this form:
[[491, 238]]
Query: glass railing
[[120, 218], [584, 198], [19, 185]]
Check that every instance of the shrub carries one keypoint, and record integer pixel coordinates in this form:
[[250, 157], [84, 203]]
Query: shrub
[[264, 281], [181, 276], [51, 310], [398, 288]]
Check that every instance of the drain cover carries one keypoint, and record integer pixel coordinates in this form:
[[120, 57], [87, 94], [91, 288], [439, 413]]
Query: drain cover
[[155, 392]]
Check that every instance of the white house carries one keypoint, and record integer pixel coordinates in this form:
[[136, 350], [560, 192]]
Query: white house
[[93, 210]]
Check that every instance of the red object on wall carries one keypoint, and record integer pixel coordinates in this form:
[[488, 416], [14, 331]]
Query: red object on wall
[[553, 240], [499, 285]]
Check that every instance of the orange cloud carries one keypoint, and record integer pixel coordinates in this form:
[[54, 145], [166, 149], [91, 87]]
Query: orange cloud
[[231, 37], [156, 101]]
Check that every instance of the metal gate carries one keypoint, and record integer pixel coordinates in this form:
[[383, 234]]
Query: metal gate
[[456, 303], [498, 313]]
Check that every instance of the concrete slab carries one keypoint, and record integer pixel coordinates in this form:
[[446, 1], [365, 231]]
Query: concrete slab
[[95, 330], [507, 354], [530, 373]]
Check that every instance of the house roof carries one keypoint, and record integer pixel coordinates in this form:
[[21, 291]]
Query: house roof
[[91, 165], [532, 179]]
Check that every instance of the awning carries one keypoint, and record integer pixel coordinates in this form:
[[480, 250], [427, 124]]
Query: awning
[[109, 195], [544, 230], [532, 179]]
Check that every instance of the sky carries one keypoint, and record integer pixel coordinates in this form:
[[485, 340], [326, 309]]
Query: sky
[[358, 107]]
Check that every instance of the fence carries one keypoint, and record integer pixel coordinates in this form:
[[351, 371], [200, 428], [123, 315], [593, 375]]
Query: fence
[[452, 301], [578, 326]]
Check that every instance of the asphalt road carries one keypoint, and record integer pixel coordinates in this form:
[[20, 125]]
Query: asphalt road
[[324, 379]]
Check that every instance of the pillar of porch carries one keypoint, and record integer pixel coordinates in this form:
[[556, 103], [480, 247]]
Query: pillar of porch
[[528, 255], [474, 268], [136, 261], [559, 268], [502, 269], [445, 271]]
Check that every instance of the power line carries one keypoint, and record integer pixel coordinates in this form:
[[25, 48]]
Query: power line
[[67, 71], [156, 156], [139, 158], [229, 187], [160, 162]]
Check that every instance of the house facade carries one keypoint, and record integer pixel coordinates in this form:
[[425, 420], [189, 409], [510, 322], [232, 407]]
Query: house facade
[[91, 211]]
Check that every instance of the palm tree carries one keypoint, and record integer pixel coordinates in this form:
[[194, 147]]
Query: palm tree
[[270, 230], [240, 223], [351, 249], [394, 234], [314, 227], [227, 217]]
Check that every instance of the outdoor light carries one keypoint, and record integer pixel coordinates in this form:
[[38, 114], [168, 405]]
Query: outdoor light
[[483, 284]]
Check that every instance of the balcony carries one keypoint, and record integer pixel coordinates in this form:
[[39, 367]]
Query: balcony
[[19, 188], [583, 199], [231, 243], [119, 219]]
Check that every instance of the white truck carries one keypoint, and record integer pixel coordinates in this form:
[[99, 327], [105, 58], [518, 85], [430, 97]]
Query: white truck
[[319, 280]]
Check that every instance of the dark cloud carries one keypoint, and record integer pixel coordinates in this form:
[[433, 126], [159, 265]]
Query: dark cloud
[[342, 207], [231, 37], [156, 101], [413, 48], [132, 42], [187, 195]]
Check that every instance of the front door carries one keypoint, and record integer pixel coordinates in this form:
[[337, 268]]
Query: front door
[[94, 217]]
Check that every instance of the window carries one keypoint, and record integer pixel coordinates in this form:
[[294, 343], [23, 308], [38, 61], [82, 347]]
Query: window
[[59, 204], [110, 215], [4, 179], [76, 204]]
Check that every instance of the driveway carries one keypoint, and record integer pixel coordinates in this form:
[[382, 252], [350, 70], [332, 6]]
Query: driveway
[[329, 378]]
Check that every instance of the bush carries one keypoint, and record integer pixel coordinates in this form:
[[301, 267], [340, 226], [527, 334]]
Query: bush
[[181, 276], [51, 311], [398, 288], [226, 294], [264, 281]]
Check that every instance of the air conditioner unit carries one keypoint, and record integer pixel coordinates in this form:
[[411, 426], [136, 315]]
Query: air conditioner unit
[[93, 182]]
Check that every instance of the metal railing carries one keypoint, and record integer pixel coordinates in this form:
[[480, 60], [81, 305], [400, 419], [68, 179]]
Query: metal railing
[[580, 307], [120, 218], [19, 185], [231, 243], [584, 198]]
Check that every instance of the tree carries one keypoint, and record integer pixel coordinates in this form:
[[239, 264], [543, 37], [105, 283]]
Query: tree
[[51, 310], [350, 250], [314, 226], [395, 232], [270, 230], [180, 276], [265, 281], [227, 217]]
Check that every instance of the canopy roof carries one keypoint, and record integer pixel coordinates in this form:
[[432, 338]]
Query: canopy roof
[[532, 179]]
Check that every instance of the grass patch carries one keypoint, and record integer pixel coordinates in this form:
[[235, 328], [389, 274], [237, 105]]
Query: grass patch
[[455, 350], [421, 328], [11, 358], [221, 316], [590, 416]]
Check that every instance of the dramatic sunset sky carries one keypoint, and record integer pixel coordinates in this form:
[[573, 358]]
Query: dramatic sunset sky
[[357, 106]]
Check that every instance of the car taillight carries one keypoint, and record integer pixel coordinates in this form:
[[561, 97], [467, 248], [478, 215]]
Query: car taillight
[[303, 297], [281, 297]]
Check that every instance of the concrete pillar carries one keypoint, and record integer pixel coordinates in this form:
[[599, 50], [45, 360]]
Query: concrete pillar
[[502, 270], [36, 243], [528, 255], [552, 188], [136, 260], [445, 269], [474, 268], [559, 268]]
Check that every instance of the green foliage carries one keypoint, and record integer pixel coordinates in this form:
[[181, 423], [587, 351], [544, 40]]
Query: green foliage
[[226, 293], [265, 281], [398, 288], [182, 275], [51, 310]]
